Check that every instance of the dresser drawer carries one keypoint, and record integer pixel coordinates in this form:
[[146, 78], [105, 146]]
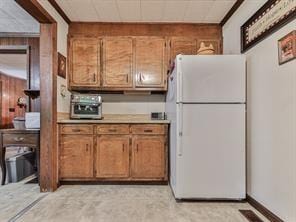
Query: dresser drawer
[[76, 129], [20, 139], [113, 129], [148, 129]]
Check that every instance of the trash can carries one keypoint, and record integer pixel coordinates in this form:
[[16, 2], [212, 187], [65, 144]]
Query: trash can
[[20, 166]]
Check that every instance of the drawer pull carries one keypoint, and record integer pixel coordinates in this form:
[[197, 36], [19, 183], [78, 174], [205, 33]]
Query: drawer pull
[[76, 130], [19, 139], [148, 131], [112, 130]]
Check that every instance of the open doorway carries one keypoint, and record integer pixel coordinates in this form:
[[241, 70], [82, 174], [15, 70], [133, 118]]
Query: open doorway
[[14, 76]]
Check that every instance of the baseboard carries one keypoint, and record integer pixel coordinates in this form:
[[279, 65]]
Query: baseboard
[[263, 210]]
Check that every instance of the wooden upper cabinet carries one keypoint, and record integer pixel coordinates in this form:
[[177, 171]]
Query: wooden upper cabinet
[[148, 157], [85, 62], [112, 158], [117, 62], [185, 46], [151, 62], [76, 156]]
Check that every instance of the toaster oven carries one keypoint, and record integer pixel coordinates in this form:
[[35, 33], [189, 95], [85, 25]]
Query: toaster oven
[[86, 106]]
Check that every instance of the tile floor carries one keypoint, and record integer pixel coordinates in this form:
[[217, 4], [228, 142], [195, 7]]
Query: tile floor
[[115, 203]]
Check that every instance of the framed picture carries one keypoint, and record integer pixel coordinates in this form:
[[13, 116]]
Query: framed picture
[[62, 65], [269, 18], [287, 48]]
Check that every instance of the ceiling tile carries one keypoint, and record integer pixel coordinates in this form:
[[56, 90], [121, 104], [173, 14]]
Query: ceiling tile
[[66, 6], [152, 10], [174, 10], [84, 10], [107, 10], [129, 10], [197, 10], [218, 10]]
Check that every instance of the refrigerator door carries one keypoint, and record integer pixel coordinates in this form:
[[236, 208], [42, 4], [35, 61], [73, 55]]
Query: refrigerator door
[[212, 79], [211, 163]]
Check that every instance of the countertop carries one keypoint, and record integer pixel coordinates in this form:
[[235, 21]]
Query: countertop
[[114, 118]]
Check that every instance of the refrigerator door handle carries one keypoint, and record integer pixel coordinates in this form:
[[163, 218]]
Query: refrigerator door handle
[[180, 133]]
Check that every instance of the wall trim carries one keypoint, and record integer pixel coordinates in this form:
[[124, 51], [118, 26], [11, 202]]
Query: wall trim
[[263, 210], [20, 34], [233, 9], [60, 11]]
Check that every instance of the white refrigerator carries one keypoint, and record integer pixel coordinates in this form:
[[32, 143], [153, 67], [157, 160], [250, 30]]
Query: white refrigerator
[[206, 104]]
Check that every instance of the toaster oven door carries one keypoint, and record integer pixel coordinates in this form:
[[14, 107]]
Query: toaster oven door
[[81, 110]]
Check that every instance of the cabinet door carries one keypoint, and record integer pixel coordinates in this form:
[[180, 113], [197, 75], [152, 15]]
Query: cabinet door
[[117, 62], [76, 156], [148, 157], [112, 158], [151, 69], [185, 46], [85, 62]]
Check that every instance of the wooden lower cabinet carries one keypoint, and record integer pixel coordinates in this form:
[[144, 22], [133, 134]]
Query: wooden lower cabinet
[[123, 152], [148, 157], [112, 156], [76, 156]]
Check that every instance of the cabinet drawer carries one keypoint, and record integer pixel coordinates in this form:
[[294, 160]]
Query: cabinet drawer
[[20, 139], [113, 129], [76, 129], [148, 129]]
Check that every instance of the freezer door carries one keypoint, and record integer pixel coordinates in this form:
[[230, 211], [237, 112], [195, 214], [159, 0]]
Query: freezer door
[[211, 163], [212, 79]]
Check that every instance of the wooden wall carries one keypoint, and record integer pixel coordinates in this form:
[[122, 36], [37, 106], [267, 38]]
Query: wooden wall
[[11, 89], [33, 42], [145, 29]]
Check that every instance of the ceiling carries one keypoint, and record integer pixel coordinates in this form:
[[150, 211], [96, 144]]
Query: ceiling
[[14, 65], [14, 18], [191, 11]]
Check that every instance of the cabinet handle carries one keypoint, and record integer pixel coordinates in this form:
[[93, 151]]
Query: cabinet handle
[[18, 139], [94, 77], [148, 131], [127, 78], [137, 148], [86, 147], [123, 147]]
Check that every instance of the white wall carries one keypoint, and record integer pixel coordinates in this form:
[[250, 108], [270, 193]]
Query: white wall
[[271, 117], [62, 103]]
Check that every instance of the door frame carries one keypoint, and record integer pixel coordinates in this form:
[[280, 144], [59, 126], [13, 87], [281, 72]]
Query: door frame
[[48, 98]]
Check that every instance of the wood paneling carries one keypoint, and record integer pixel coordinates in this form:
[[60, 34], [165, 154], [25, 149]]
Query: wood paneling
[[33, 43], [12, 89], [145, 29]]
